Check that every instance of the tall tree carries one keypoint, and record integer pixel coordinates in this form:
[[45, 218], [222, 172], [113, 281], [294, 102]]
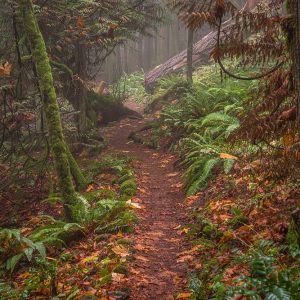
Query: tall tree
[[189, 65], [293, 9], [75, 207]]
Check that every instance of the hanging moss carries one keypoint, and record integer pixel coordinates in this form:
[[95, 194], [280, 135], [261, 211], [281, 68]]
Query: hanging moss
[[75, 206], [62, 67]]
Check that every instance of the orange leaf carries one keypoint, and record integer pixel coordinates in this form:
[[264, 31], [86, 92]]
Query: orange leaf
[[24, 275], [89, 188], [80, 22], [5, 69], [227, 156], [184, 296], [120, 250], [289, 139], [117, 277]]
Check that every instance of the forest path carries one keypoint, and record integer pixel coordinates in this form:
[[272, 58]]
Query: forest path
[[156, 272]]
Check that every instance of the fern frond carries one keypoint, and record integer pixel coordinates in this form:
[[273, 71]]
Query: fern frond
[[203, 177]]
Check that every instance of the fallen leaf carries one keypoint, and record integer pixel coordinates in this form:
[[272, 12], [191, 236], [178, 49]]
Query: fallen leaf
[[239, 297], [142, 258], [80, 22], [228, 156], [183, 296], [143, 191], [172, 174], [89, 188], [134, 205], [289, 139], [24, 275], [5, 69], [117, 277], [120, 250], [192, 199], [185, 230], [186, 258]]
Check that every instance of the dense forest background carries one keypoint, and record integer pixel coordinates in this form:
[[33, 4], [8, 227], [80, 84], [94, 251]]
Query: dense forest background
[[148, 51]]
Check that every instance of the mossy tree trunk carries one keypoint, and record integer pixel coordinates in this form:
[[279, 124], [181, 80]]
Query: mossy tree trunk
[[75, 206]]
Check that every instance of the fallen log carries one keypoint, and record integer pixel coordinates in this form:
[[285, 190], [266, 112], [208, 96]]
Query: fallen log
[[201, 52]]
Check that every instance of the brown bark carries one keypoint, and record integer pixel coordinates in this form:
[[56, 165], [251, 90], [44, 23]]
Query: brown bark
[[189, 65], [293, 8], [81, 94]]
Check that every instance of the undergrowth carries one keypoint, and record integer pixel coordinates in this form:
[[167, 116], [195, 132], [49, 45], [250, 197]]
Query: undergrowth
[[244, 244], [131, 86], [199, 123], [36, 257]]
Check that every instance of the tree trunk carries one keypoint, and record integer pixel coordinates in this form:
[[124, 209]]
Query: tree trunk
[[75, 207], [81, 93], [189, 64], [293, 9]]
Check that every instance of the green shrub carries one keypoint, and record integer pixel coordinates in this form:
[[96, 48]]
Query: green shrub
[[14, 247], [266, 281], [201, 122], [128, 187]]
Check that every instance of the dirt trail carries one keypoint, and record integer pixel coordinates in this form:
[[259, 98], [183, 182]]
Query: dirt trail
[[155, 273]]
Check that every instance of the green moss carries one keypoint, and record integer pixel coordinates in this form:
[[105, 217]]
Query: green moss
[[80, 180], [106, 105], [74, 206], [62, 67]]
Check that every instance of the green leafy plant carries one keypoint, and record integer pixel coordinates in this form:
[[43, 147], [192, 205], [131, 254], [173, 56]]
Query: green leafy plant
[[53, 232], [131, 86], [14, 246], [266, 281], [200, 123]]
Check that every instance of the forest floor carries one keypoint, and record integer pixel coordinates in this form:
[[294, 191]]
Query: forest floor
[[155, 261], [217, 230], [156, 272]]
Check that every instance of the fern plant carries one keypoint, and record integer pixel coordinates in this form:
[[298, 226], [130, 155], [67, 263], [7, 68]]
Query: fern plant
[[201, 157], [14, 246], [53, 232], [200, 124], [219, 124], [267, 282]]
